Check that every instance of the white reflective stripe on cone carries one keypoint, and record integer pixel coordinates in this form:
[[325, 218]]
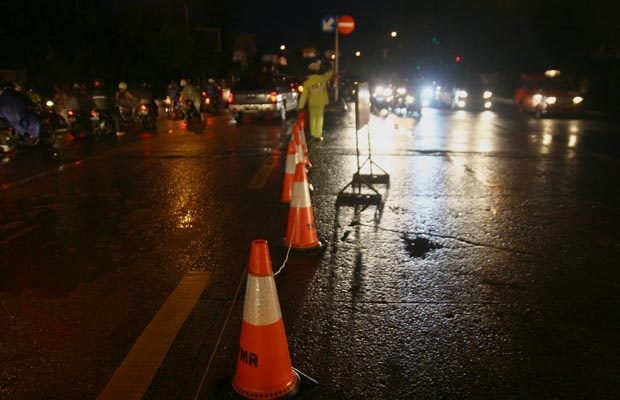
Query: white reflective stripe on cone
[[261, 306], [300, 198], [300, 154]]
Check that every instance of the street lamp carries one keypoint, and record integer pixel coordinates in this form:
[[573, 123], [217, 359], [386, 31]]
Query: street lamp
[[394, 34], [358, 53], [282, 47]]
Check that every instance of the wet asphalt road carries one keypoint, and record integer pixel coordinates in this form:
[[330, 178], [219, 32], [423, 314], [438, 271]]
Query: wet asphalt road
[[490, 271]]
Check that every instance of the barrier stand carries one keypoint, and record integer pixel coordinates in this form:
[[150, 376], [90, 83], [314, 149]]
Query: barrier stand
[[363, 190]]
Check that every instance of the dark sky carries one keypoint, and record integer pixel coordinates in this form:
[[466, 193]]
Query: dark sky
[[487, 34]]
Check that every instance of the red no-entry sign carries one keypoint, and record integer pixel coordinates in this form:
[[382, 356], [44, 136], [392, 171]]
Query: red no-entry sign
[[346, 24]]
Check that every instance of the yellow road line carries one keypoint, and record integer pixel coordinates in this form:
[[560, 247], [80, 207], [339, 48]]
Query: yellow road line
[[260, 178], [20, 234], [133, 377]]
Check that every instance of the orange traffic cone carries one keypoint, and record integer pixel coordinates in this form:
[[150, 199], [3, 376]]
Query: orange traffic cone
[[302, 148], [301, 233], [289, 172], [301, 119], [264, 369]]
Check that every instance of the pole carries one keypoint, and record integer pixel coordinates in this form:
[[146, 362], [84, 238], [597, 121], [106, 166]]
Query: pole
[[186, 16], [336, 45]]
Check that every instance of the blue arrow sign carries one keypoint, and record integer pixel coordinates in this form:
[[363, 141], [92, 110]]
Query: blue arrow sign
[[328, 24]]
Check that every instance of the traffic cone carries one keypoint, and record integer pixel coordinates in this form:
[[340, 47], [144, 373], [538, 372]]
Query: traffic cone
[[289, 172], [264, 369], [301, 118], [302, 148], [301, 233]]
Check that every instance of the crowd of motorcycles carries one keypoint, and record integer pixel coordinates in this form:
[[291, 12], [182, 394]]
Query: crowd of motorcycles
[[58, 115]]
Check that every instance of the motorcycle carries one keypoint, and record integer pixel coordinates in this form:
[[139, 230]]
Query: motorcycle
[[190, 112], [10, 138], [171, 108], [126, 115], [92, 123], [211, 101], [146, 114], [212, 105], [49, 112]]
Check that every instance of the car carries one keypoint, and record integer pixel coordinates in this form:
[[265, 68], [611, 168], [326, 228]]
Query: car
[[399, 98], [471, 93], [262, 95], [550, 93]]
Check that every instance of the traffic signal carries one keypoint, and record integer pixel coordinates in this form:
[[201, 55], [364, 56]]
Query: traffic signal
[[435, 40], [457, 59]]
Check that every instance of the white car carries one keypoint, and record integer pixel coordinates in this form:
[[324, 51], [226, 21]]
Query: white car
[[264, 95]]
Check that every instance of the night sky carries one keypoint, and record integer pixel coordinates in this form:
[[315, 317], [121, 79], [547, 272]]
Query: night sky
[[59, 39]]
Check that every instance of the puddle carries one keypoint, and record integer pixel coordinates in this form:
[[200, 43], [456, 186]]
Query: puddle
[[419, 247]]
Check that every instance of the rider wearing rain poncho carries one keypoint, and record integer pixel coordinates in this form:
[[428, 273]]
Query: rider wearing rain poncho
[[15, 110]]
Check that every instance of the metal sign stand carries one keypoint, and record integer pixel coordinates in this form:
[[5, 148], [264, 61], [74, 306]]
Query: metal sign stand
[[362, 186]]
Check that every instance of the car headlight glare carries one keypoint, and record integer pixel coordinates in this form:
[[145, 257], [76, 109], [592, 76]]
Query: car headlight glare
[[536, 99], [387, 92], [401, 90], [461, 94], [487, 94], [409, 99], [551, 100], [577, 99]]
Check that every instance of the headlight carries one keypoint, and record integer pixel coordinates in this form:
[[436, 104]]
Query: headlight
[[461, 94], [401, 90], [50, 103], [487, 94], [551, 100], [577, 99], [378, 91], [409, 99], [536, 99], [427, 92], [387, 92]]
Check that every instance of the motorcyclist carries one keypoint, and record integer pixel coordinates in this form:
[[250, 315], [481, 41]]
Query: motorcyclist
[[189, 92], [125, 98], [15, 110], [213, 92], [173, 92], [34, 98], [101, 99]]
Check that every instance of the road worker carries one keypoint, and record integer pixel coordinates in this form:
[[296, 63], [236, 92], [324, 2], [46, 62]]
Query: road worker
[[315, 94]]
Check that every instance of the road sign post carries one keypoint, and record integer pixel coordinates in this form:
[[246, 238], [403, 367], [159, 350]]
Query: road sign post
[[344, 24]]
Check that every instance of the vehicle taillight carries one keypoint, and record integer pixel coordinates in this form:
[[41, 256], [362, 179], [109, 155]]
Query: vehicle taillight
[[94, 113], [70, 113], [208, 101], [231, 98], [204, 94], [142, 107], [273, 97]]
